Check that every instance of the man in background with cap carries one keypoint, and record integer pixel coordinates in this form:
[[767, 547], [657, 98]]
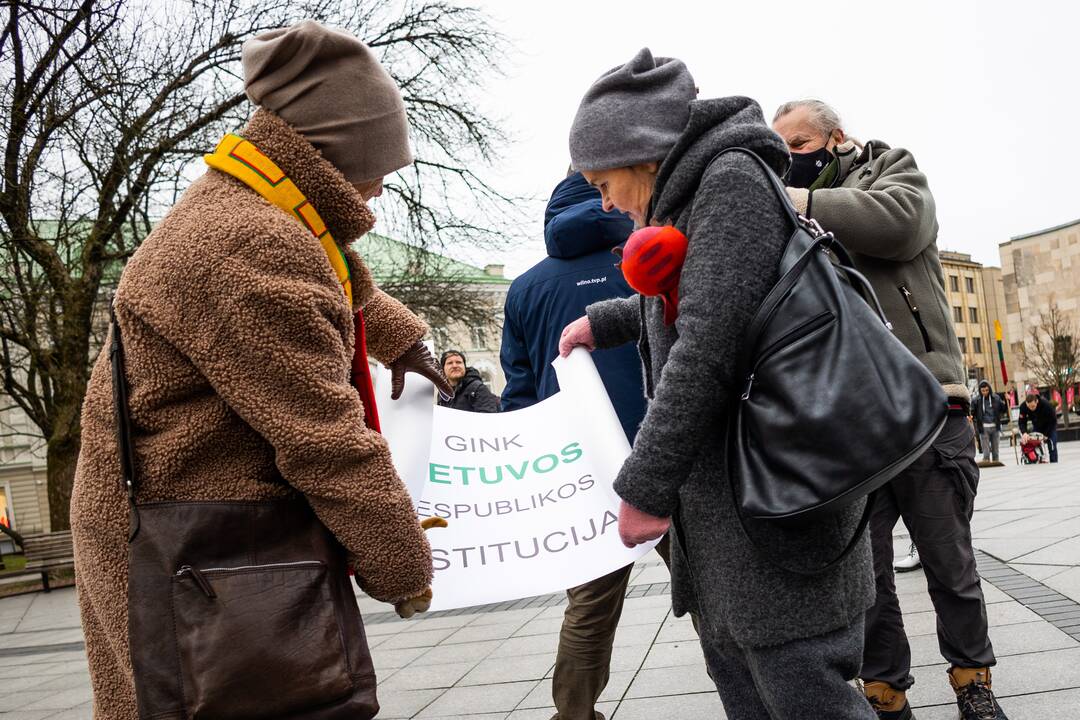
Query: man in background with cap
[[247, 318]]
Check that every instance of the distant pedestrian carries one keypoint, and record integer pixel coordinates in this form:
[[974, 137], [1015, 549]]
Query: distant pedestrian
[[1043, 419], [986, 414], [471, 393], [878, 203]]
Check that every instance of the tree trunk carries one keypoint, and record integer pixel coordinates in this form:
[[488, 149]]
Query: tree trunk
[[62, 455]]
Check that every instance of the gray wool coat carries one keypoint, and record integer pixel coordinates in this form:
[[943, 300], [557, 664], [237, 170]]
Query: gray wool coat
[[737, 232]]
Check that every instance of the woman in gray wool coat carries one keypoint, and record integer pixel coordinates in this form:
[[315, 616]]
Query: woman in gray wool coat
[[778, 644]]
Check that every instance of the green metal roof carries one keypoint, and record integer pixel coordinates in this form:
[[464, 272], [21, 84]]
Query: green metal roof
[[393, 260], [390, 261]]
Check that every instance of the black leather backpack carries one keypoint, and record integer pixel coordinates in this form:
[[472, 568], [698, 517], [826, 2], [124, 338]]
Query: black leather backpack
[[808, 436]]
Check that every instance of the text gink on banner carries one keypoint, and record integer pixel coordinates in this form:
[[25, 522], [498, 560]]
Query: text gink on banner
[[527, 494]]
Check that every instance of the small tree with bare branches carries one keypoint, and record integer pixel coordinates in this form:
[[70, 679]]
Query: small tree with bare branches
[[1052, 353], [104, 106]]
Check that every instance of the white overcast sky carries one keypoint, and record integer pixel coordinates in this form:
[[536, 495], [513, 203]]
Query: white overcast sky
[[985, 94]]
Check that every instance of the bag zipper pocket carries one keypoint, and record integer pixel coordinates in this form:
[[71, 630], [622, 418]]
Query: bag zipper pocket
[[910, 301], [201, 579], [788, 339]]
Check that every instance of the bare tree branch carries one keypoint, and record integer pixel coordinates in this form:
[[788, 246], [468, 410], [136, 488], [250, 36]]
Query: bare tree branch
[[106, 104], [1052, 354]]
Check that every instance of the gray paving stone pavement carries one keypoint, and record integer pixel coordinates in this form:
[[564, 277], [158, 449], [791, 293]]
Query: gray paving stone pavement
[[497, 664]]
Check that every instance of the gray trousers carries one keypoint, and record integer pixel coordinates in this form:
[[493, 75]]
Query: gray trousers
[[990, 437], [798, 680], [936, 498]]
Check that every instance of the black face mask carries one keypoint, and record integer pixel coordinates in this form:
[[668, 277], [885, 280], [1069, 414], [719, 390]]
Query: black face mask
[[805, 167]]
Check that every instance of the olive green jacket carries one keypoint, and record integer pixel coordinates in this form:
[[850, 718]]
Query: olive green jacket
[[880, 208]]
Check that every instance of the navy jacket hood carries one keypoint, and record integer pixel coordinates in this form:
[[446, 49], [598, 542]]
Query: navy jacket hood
[[575, 223]]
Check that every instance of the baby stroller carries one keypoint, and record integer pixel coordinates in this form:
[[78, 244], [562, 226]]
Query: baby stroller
[[1032, 452]]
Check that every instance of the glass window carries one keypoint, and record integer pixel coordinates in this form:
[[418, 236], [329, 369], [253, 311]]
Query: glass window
[[969, 283], [973, 314], [976, 344], [442, 339], [958, 314], [479, 338], [963, 344], [954, 283]]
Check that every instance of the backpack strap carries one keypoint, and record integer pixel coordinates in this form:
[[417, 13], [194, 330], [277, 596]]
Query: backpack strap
[[122, 410]]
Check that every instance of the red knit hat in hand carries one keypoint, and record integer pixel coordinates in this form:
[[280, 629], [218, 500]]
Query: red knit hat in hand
[[652, 261]]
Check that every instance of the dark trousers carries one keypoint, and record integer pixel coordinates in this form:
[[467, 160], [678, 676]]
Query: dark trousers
[[1052, 437], [798, 680], [936, 498], [582, 666], [990, 438]]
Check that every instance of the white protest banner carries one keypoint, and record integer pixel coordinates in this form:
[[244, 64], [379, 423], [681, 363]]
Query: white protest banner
[[527, 494], [406, 425]]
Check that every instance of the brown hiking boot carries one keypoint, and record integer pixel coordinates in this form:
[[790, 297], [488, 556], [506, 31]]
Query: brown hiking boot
[[888, 703], [974, 697]]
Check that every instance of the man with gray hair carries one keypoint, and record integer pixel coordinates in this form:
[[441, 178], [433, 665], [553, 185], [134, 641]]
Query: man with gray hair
[[877, 202]]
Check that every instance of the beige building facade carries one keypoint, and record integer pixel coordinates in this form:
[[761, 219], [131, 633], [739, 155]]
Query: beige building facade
[[1038, 270], [964, 288], [994, 297], [24, 498]]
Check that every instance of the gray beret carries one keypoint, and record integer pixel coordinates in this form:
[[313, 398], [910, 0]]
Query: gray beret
[[633, 114]]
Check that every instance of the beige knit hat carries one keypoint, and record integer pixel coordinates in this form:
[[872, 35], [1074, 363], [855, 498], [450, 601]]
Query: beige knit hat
[[330, 87]]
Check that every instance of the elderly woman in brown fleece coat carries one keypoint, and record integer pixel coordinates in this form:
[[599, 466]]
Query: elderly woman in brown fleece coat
[[239, 342]]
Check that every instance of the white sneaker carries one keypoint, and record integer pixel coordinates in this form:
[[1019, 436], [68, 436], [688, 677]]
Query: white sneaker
[[908, 562]]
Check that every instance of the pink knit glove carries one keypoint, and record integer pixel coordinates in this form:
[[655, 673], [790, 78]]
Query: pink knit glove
[[637, 527]]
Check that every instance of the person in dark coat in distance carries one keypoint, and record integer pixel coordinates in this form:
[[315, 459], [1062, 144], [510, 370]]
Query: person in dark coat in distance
[[986, 412], [1043, 419], [470, 392], [578, 271], [778, 644]]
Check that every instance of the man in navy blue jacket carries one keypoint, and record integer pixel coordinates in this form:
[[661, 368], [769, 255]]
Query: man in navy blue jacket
[[579, 270]]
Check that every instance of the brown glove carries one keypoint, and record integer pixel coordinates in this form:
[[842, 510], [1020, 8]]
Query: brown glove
[[417, 359], [419, 603], [407, 608]]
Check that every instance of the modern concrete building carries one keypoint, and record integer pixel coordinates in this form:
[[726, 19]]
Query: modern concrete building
[[1038, 270]]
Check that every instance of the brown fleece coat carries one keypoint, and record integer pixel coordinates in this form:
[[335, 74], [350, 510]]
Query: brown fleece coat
[[238, 344]]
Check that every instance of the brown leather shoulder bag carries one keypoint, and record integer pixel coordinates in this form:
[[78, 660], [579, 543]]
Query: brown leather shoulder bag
[[238, 609]]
